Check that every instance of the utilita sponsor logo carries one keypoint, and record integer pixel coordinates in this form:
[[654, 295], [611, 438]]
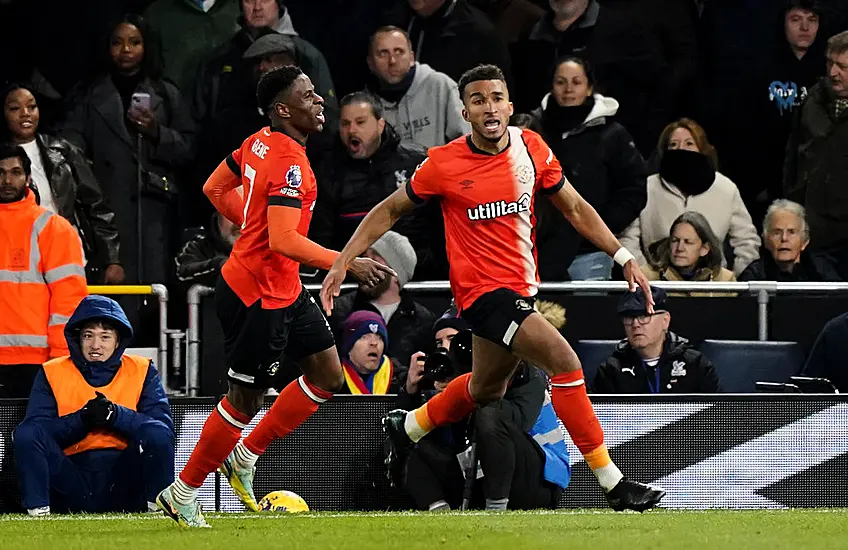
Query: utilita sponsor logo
[[498, 209]]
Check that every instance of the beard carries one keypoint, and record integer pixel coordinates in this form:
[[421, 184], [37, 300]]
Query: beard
[[374, 292], [7, 196]]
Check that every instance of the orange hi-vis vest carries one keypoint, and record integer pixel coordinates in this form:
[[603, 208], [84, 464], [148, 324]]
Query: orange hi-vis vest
[[72, 392], [42, 281]]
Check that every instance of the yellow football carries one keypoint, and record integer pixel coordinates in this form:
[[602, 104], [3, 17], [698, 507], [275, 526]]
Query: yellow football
[[283, 501]]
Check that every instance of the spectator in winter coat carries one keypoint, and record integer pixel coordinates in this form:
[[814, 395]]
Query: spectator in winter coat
[[367, 369], [451, 36], [688, 181], [368, 164], [407, 321], [203, 255], [421, 104], [691, 252], [644, 53], [98, 434], [599, 159], [113, 132], [65, 184], [43, 277], [816, 169], [786, 235], [653, 359], [190, 31]]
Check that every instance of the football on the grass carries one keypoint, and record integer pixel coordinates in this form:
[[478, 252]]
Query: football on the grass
[[283, 501]]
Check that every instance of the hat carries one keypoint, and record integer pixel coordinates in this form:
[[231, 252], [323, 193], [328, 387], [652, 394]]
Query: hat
[[449, 320], [270, 44], [398, 253], [633, 304], [358, 324]]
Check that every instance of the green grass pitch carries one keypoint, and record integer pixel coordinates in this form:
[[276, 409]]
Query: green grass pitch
[[595, 530]]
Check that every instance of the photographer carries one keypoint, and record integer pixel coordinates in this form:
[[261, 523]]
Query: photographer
[[519, 469]]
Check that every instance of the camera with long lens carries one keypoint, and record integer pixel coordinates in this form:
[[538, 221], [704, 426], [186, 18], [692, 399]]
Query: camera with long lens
[[443, 365]]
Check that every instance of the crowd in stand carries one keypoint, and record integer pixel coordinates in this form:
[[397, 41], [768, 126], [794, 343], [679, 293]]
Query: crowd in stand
[[709, 135]]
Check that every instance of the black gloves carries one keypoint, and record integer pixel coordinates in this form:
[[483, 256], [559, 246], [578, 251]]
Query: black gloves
[[98, 412]]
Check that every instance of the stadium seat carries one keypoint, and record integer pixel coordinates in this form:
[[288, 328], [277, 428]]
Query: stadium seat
[[740, 364], [592, 353]]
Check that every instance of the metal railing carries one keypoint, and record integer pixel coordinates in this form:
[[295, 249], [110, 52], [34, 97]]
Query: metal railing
[[161, 292], [763, 290]]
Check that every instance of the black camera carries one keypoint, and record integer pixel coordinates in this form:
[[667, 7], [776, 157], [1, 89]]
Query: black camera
[[442, 365], [438, 366]]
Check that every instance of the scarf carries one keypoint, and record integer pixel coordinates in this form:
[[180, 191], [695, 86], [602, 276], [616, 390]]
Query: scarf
[[557, 120], [689, 171], [377, 383]]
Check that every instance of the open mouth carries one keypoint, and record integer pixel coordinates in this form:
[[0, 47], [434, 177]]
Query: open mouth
[[320, 116], [492, 124], [95, 354], [27, 124], [373, 355], [354, 144]]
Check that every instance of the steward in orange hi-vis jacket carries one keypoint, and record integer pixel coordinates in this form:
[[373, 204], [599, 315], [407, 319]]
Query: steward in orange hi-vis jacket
[[42, 279]]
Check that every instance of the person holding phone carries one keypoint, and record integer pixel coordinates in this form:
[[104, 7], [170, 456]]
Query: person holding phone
[[138, 132]]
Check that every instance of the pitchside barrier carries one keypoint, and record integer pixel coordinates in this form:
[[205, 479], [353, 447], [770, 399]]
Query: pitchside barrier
[[716, 451], [762, 310]]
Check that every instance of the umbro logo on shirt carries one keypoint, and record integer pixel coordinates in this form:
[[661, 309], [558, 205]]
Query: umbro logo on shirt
[[498, 209], [466, 184]]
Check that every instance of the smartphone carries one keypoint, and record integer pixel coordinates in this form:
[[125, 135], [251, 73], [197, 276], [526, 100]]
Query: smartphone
[[814, 385], [140, 101]]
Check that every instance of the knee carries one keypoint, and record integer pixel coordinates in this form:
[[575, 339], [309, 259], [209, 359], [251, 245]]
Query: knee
[[486, 394], [331, 380], [247, 401], [28, 435]]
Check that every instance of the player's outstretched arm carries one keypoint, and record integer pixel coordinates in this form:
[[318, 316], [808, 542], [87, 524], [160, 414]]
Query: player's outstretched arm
[[589, 224], [224, 192], [381, 218]]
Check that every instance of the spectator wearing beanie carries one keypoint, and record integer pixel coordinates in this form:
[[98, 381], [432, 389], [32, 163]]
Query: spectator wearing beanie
[[366, 368], [408, 323]]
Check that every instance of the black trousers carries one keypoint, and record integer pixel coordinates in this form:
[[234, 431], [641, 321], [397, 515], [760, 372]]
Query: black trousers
[[16, 380], [512, 463]]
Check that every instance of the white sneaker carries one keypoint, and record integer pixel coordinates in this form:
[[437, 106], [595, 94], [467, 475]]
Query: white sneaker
[[39, 512]]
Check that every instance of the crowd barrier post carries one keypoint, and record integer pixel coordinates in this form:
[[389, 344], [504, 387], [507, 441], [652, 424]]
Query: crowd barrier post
[[192, 371]]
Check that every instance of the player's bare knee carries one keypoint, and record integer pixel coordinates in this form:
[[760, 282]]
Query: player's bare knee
[[330, 381], [247, 401], [483, 394]]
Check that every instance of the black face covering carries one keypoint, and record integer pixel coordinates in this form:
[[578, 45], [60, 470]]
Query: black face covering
[[689, 171], [557, 119]]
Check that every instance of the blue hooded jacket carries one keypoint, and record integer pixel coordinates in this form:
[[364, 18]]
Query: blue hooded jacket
[[152, 404]]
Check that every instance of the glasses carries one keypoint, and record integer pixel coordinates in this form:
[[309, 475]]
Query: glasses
[[640, 319]]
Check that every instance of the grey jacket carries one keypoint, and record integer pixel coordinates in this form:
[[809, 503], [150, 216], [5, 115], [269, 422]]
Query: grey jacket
[[96, 124], [430, 113], [79, 200]]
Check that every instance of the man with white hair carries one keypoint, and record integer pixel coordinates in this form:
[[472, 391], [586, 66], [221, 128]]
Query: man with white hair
[[408, 322], [786, 235]]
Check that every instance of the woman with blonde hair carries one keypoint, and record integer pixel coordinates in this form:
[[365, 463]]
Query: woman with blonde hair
[[689, 180]]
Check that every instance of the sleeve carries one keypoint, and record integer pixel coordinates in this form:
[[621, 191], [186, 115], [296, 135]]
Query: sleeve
[[152, 407], [631, 239], [177, 135], [223, 190], [548, 169], [75, 124], [792, 188], [523, 404], [743, 235], [195, 265], [93, 205], [288, 187], [61, 264], [424, 183], [42, 408], [709, 377], [628, 193]]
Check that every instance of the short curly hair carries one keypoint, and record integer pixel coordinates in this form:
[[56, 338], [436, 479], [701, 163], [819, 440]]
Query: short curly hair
[[478, 73], [275, 82]]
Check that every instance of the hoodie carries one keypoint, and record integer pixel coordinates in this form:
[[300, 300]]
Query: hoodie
[[430, 112], [600, 160], [66, 430]]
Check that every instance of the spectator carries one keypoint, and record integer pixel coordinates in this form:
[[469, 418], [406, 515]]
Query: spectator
[[451, 36], [98, 434], [367, 370], [827, 358], [203, 255], [513, 19], [599, 160], [688, 180], [522, 454], [816, 170], [421, 104], [691, 252], [407, 321], [65, 184], [117, 135], [190, 31], [786, 236], [42, 278], [657, 36], [652, 359], [368, 164]]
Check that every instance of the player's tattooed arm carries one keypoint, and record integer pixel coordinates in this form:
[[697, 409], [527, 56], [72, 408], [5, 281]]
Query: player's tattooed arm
[[381, 218]]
